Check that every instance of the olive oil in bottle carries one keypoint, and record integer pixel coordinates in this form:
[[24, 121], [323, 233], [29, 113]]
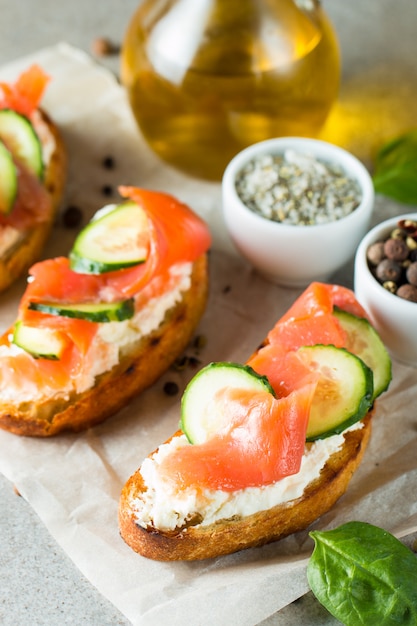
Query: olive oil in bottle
[[206, 78]]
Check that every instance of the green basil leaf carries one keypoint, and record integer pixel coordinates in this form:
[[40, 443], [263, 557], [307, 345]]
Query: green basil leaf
[[395, 172], [363, 575]]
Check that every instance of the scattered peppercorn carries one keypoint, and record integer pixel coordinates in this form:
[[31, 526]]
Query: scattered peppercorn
[[171, 388], [181, 363], [194, 362], [72, 217], [200, 342], [108, 162], [107, 190]]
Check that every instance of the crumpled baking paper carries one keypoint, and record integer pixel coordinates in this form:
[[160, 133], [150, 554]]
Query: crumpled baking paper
[[73, 482]]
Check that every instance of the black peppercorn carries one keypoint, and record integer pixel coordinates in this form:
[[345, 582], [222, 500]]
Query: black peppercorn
[[107, 190], [388, 269], [108, 162], [407, 292], [412, 273], [375, 253], [396, 249], [72, 217], [171, 388]]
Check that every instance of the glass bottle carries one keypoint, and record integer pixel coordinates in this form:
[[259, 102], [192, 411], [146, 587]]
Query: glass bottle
[[206, 78]]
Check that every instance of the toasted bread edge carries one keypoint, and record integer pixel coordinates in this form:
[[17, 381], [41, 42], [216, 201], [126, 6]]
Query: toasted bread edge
[[231, 535], [113, 390]]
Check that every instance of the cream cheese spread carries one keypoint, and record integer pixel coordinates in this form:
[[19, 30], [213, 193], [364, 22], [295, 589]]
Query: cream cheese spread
[[162, 508], [109, 342]]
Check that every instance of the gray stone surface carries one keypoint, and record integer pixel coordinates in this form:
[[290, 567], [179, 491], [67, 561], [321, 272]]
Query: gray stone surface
[[39, 585]]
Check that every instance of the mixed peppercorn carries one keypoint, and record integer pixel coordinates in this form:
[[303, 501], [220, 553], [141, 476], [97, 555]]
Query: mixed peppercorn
[[393, 261]]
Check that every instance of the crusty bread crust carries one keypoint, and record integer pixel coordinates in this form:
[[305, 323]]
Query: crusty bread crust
[[138, 368], [30, 245], [231, 535]]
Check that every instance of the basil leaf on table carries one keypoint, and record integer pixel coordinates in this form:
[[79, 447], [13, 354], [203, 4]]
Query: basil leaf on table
[[363, 575], [395, 172]]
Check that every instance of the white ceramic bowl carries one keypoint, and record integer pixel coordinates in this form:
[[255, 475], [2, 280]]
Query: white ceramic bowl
[[394, 318], [295, 255]]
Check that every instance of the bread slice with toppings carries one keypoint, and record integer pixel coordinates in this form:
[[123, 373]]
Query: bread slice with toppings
[[96, 328], [264, 448], [195, 540], [25, 229], [141, 363]]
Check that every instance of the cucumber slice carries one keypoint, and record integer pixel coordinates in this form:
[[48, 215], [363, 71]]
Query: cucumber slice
[[18, 134], [344, 393], [199, 419], [364, 341], [42, 343], [116, 240], [8, 180], [101, 312]]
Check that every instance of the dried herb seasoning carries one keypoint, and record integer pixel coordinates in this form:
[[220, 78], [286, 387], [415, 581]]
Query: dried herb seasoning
[[297, 189]]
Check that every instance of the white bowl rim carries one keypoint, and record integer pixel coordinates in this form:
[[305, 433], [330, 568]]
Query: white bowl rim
[[377, 233], [320, 148]]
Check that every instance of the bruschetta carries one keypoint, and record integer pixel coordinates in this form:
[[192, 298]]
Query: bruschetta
[[33, 166], [267, 447], [97, 327]]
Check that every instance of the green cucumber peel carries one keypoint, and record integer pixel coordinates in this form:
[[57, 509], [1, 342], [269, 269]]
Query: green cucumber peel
[[101, 312], [41, 343], [8, 181], [116, 238], [199, 418], [365, 342], [18, 134], [351, 391], [363, 576]]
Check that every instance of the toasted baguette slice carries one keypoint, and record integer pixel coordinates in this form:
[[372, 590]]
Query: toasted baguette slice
[[142, 363], [27, 244], [194, 542]]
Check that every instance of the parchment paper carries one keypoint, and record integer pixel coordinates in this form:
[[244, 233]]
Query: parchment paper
[[73, 482]]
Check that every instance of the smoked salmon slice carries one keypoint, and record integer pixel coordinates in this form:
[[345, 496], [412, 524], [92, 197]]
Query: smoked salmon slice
[[32, 205], [33, 202], [308, 322], [263, 443], [264, 438], [25, 94], [285, 371], [177, 235]]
